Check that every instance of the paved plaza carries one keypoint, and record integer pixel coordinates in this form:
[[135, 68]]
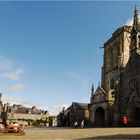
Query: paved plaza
[[77, 134]]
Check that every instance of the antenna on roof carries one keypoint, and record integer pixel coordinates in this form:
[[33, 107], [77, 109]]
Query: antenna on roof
[[92, 90]]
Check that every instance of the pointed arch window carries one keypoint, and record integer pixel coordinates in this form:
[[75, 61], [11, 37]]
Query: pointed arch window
[[133, 42], [112, 84]]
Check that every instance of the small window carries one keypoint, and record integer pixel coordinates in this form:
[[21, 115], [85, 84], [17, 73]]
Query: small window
[[112, 84]]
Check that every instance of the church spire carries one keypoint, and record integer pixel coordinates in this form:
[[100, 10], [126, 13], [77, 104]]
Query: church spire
[[135, 34], [92, 90], [136, 18]]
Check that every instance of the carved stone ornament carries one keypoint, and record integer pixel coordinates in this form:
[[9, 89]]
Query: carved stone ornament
[[132, 91]]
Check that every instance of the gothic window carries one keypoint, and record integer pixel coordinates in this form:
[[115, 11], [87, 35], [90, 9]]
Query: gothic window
[[112, 84], [133, 42], [115, 54], [119, 53], [111, 57], [108, 59]]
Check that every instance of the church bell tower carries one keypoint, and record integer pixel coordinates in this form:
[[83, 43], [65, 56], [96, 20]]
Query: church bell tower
[[135, 34]]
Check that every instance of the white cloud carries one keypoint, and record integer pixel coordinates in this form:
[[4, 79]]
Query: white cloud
[[129, 22], [10, 100], [5, 63], [10, 72], [29, 103], [14, 75], [9, 69], [16, 88], [13, 100], [54, 110]]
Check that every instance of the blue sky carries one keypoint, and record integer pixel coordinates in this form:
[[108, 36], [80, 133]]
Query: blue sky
[[49, 51]]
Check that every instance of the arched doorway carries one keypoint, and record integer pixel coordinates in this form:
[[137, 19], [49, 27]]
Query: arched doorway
[[137, 114], [99, 116]]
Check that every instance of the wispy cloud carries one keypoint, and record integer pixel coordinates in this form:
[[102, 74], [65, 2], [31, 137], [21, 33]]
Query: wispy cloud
[[24, 102], [5, 63], [10, 100], [55, 109], [129, 22], [16, 88], [11, 73], [14, 75], [29, 102], [9, 69]]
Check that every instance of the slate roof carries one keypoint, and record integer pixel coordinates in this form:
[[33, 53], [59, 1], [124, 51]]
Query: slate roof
[[133, 64], [25, 110], [81, 106]]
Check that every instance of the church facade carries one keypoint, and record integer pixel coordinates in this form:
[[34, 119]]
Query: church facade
[[119, 92]]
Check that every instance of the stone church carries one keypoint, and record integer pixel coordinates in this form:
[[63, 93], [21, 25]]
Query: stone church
[[118, 94]]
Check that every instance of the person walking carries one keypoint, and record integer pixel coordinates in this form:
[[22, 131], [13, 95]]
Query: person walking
[[75, 124], [82, 124], [124, 121]]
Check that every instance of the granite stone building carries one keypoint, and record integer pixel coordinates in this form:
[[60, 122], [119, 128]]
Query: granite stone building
[[119, 92], [21, 114], [24, 115], [75, 112]]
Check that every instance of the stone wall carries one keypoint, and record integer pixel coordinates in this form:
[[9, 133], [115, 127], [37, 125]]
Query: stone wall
[[116, 55], [24, 118]]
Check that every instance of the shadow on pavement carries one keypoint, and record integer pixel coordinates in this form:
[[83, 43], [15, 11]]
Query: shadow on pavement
[[118, 136]]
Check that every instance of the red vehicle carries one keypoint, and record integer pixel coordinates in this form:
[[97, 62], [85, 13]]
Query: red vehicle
[[15, 128]]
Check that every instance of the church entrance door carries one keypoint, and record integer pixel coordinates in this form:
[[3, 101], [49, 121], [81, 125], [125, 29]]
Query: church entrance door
[[99, 116], [137, 114]]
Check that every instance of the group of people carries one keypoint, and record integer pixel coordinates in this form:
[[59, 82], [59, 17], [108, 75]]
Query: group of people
[[82, 123]]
